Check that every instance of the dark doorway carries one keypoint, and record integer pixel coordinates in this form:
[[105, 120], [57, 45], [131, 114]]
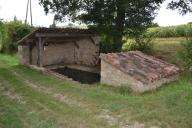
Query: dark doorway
[[79, 75]]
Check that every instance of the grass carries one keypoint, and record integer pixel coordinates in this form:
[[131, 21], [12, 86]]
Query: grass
[[168, 48], [31, 99]]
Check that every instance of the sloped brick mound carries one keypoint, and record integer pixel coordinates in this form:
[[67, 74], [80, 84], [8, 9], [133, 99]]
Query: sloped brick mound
[[144, 72]]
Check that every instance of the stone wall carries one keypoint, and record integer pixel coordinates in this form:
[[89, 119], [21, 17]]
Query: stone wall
[[87, 53], [113, 76], [59, 53], [23, 52], [82, 52]]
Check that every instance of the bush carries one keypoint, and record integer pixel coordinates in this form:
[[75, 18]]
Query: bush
[[142, 43], [12, 32], [106, 44], [2, 34], [186, 54]]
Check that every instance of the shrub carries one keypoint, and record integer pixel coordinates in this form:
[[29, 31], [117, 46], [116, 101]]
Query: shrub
[[186, 54], [2, 34], [142, 43], [13, 31], [106, 44], [181, 31]]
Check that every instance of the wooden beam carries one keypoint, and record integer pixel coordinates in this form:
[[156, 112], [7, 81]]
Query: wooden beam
[[39, 45], [40, 52], [26, 42], [92, 40], [62, 35], [56, 40], [30, 53], [60, 41], [96, 40], [64, 38], [29, 40]]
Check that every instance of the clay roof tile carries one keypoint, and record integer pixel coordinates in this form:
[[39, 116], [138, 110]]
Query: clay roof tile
[[140, 66]]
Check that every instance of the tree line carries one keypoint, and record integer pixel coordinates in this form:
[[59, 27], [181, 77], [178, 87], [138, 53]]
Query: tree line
[[171, 31]]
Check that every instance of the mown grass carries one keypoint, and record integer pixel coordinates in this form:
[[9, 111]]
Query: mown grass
[[31, 99]]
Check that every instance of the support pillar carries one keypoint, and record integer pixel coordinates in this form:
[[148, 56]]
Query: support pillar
[[40, 52], [30, 53]]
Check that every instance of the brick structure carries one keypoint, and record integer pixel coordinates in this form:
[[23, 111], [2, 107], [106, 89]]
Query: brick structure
[[137, 70], [60, 46]]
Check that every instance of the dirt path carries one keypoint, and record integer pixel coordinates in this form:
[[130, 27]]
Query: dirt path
[[49, 91]]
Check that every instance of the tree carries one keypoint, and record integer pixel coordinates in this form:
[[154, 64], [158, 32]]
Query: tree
[[114, 18], [2, 28], [183, 6], [154, 25]]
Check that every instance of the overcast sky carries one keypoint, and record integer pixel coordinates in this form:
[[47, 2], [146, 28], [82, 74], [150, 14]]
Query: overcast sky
[[11, 8]]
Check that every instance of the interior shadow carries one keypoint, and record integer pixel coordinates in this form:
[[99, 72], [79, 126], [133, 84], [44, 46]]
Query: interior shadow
[[79, 75]]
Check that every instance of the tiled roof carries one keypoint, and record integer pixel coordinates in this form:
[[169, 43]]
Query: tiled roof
[[68, 31], [142, 67]]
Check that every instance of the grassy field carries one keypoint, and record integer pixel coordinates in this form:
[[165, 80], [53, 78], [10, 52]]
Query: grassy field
[[168, 49], [171, 31], [29, 99]]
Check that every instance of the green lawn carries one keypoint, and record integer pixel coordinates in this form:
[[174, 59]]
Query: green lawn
[[29, 99]]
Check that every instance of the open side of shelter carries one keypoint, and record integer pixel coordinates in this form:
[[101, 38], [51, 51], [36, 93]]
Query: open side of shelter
[[57, 48]]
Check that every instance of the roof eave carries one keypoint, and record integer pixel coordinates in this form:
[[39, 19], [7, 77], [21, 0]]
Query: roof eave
[[23, 40]]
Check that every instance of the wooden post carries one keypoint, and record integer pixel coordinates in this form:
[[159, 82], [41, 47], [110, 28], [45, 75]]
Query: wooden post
[[30, 53], [40, 52]]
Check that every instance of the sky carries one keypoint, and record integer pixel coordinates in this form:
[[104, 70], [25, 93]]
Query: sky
[[11, 8]]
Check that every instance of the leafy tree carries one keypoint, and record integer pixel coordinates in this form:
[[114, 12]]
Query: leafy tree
[[2, 33], [154, 25], [183, 6], [114, 18]]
